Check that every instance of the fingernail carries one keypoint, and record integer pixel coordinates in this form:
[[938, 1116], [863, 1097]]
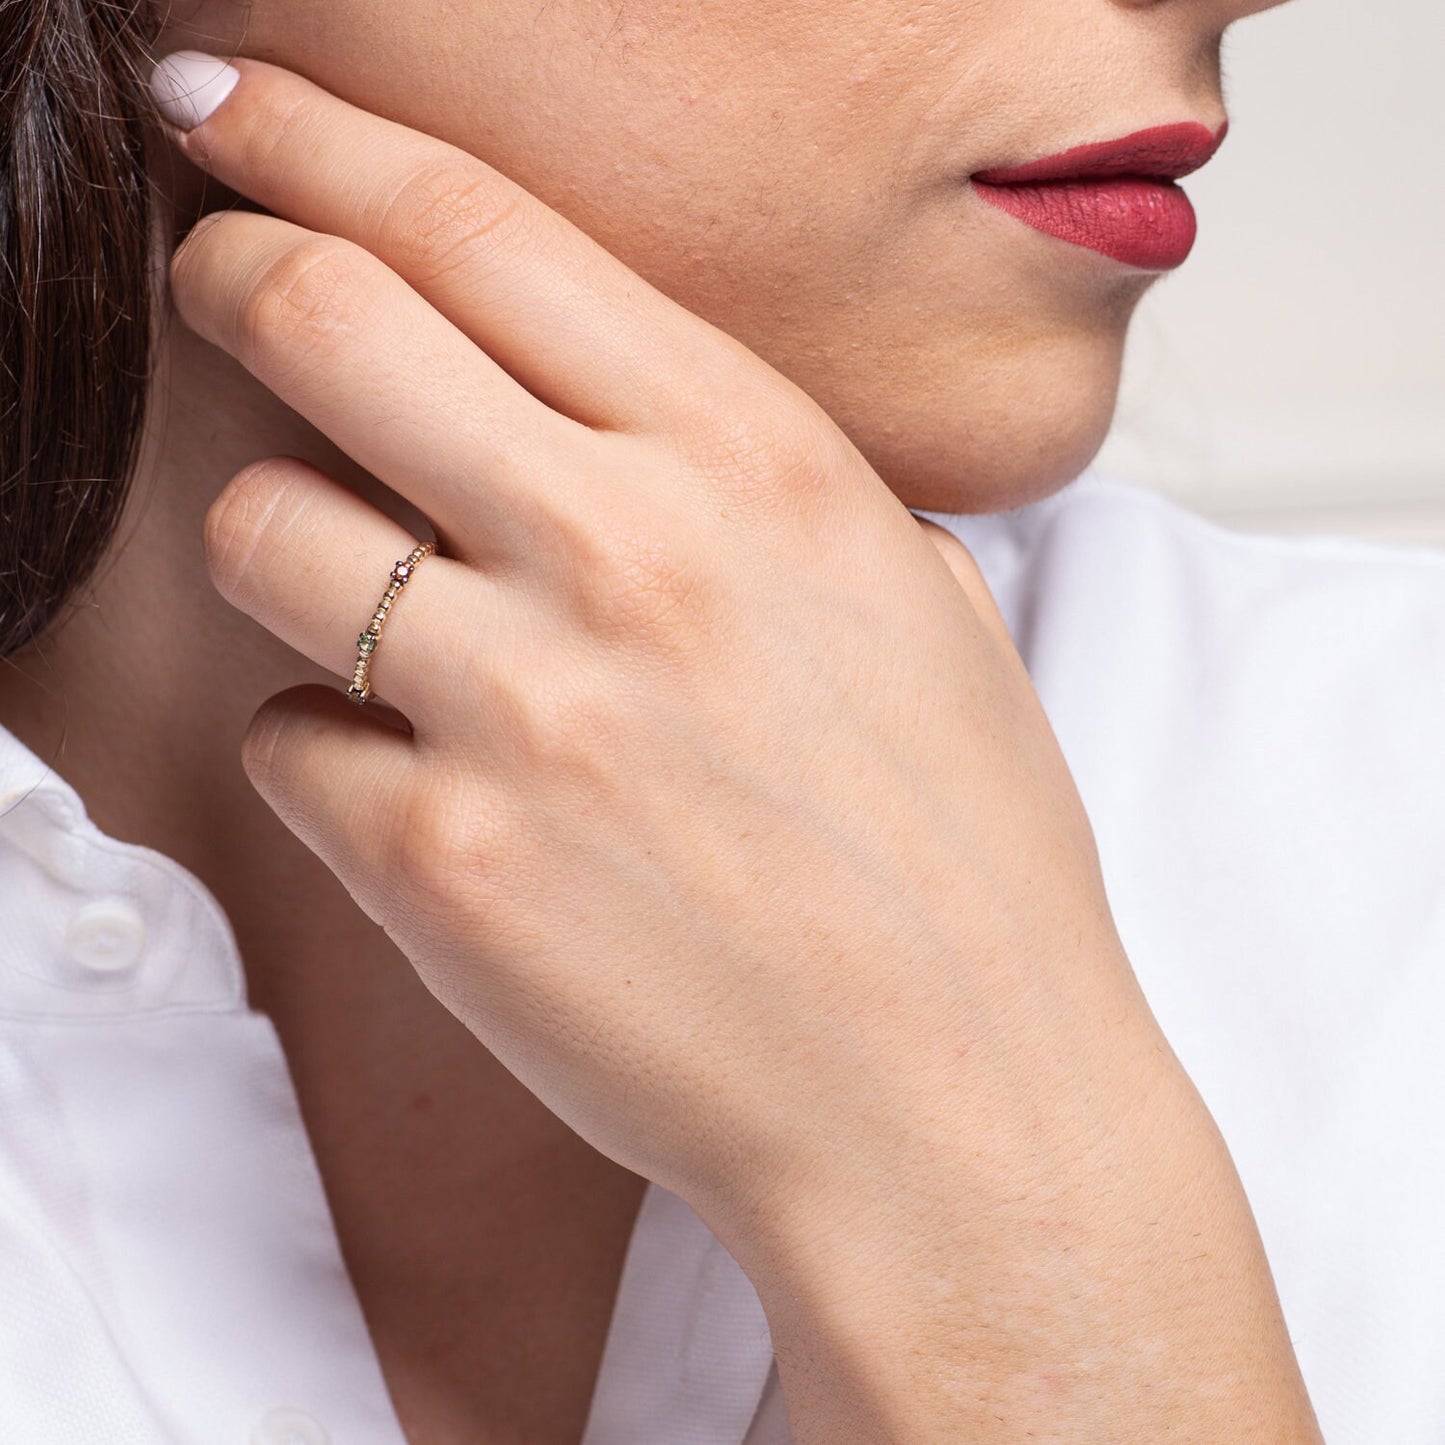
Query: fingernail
[[188, 85]]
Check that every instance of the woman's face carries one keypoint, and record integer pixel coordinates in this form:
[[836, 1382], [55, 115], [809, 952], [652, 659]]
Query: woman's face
[[796, 171]]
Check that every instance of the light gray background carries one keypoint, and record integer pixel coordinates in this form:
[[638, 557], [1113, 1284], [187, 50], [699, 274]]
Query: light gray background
[[1291, 375]]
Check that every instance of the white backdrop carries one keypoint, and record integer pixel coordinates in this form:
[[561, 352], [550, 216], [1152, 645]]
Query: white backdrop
[[1292, 372]]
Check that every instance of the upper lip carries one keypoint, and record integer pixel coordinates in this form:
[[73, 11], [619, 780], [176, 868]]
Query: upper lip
[[1164, 152]]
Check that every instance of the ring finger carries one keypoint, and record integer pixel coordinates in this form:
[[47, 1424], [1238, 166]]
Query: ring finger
[[310, 561]]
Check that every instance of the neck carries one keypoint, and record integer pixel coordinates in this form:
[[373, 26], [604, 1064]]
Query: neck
[[431, 1152], [139, 697], [140, 694]]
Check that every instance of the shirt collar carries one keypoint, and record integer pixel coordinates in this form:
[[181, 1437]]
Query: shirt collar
[[92, 927]]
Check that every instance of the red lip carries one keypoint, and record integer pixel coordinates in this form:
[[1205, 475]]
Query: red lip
[[1164, 152], [1116, 197]]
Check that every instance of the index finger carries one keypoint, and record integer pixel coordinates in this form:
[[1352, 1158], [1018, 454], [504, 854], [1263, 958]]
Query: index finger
[[579, 329]]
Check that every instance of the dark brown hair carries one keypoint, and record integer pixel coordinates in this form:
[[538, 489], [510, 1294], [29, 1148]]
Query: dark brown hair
[[76, 307]]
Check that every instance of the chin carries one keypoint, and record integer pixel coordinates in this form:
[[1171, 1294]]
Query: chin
[[988, 439]]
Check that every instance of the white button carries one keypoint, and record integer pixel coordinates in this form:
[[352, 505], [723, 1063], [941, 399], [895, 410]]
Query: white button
[[283, 1426], [106, 936]]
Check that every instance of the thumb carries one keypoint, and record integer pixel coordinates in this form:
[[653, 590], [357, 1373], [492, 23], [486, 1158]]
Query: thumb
[[970, 577]]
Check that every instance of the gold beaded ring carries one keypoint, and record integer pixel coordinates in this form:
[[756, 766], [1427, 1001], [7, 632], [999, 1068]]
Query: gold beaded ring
[[360, 689]]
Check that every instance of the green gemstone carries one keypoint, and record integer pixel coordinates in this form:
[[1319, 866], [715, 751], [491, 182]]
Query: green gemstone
[[367, 642]]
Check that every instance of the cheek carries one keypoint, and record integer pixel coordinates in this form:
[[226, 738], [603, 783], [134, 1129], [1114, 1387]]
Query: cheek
[[971, 378], [968, 384], [792, 179]]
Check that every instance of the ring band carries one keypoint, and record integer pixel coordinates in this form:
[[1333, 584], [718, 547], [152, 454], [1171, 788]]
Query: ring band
[[360, 690]]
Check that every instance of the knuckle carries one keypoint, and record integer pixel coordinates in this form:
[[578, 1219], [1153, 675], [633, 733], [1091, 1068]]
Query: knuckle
[[443, 848], [775, 453], [240, 517], [647, 582], [273, 110], [192, 246], [567, 727], [305, 300], [447, 212]]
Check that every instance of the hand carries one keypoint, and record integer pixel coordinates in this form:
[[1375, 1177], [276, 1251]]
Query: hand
[[724, 803], [723, 810]]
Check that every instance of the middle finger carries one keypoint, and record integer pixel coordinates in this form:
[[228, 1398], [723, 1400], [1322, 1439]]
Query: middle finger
[[569, 320], [344, 341]]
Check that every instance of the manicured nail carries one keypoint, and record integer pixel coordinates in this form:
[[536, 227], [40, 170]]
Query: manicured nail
[[188, 85]]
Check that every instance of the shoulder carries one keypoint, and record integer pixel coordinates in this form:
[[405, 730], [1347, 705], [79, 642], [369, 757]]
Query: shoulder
[[1144, 578], [1099, 519]]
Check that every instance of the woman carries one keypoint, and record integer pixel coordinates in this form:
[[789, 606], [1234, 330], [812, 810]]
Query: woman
[[706, 828]]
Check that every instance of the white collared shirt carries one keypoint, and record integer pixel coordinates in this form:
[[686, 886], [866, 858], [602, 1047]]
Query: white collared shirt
[[1256, 725]]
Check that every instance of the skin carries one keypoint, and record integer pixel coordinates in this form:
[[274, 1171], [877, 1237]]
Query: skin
[[797, 180], [972, 364]]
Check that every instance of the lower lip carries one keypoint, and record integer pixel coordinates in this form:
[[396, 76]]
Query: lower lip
[[1144, 223]]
